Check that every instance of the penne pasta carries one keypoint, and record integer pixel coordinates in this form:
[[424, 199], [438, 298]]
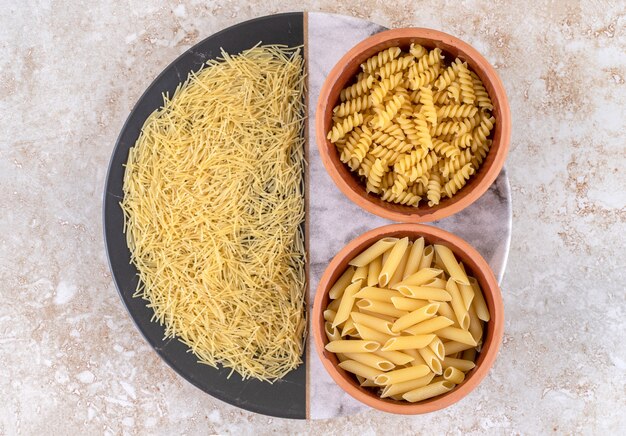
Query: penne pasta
[[446, 310], [334, 305], [409, 385], [361, 369], [417, 358], [373, 322], [453, 347], [380, 307], [332, 333], [415, 317], [420, 277], [456, 334], [392, 262], [401, 375], [378, 248], [380, 294], [427, 257], [388, 318], [405, 303], [407, 342], [463, 365], [475, 325], [336, 291], [360, 274], [346, 303], [352, 346], [373, 271], [457, 304], [479, 301], [428, 391], [415, 256], [431, 359], [395, 357], [424, 293], [370, 359], [436, 283], [329, 315], [429, 326], [454, 375], [399, 272], [348, 328], [369, 334], [467, 292], [438, 348], [451, 264]]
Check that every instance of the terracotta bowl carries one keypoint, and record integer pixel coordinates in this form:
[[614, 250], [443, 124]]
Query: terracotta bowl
[[475, 265], [344, 73]]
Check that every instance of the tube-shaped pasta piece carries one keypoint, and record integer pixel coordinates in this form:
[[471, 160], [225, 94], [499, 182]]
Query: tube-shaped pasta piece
[[446, 310], [415, 317], [469, 354], [457, 304], [352, 346], [373, 322], [369, 334], [396, 357], [424, 293], [370, 359], [399, 272], [332, 333], [417, 357], [451, 264], [373, 271], [479, 301], [329, 315], [463, 365], [380, 307], [392, 262], [438, 263], [467, 292], [405, 303], [401, 375], [427, 257], [348, 328], [360, 274], [420, 277], [430, 325], [380, 294], [346, 303], [409, 385], [366, 383], [334, 305], [391, 319], [438, 348], [456, 334], [341, 357], [361, 369], [453, 347], [454, 375], [407, 342], [415, 256], [336, 291], [378, 248], [436, 283], [475, 325], [428, 391], [431, 359]]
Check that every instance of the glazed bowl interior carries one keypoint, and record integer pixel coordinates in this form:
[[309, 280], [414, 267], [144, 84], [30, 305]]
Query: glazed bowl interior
[[344, 73], [475, 266]]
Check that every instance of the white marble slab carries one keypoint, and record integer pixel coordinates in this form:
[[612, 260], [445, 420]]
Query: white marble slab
[[335, 220]]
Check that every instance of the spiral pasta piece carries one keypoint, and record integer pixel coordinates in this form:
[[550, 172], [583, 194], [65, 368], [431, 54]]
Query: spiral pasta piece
[[366, 165], [394, 66], [348, 107], [482, 97], [463, 141], [452, 166], [483, 130], [410, 131], [428, 106], [395, 131], [359, 88], [425, 78], [370, 65], [390, 142], [422, 167], [445, 149], [456, 111], [340, 130], [423, 132], [458, 180], [375, 176], [444, 129], [384, 116], [418, 189], [417, 50], [480, 153], [467, 85], [407, 198], [400, 183], [379, 91], [425, 62], [468, 124], [441, 97], [454, 92], [445, 79], [383, 153], [357, 146], [433, 192], [408, 160]]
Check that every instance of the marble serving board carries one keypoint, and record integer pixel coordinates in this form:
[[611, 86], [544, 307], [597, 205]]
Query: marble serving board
[[334, 220]]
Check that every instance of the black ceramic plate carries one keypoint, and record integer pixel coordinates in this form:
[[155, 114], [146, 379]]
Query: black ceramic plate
[[285, 398]]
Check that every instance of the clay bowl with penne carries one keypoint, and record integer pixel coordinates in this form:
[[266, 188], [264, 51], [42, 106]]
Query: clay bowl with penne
[[413, 125], [408, 318]]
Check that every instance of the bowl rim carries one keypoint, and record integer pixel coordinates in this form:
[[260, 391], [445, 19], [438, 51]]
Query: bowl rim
[[504, 121], [496, 322]]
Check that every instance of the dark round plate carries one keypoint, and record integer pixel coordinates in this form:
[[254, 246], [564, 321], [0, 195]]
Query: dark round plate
[[285, 398]]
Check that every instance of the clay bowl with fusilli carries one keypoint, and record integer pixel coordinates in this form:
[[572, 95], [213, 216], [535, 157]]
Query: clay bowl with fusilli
[[413, 125]]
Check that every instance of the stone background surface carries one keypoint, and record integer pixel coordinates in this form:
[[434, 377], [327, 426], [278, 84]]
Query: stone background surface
[[70, 356]]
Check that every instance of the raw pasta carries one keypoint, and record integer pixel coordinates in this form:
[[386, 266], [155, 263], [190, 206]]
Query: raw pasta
[[414, 339], [412, 126]]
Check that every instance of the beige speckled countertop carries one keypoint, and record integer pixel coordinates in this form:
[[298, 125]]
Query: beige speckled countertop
[[70, 356]]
